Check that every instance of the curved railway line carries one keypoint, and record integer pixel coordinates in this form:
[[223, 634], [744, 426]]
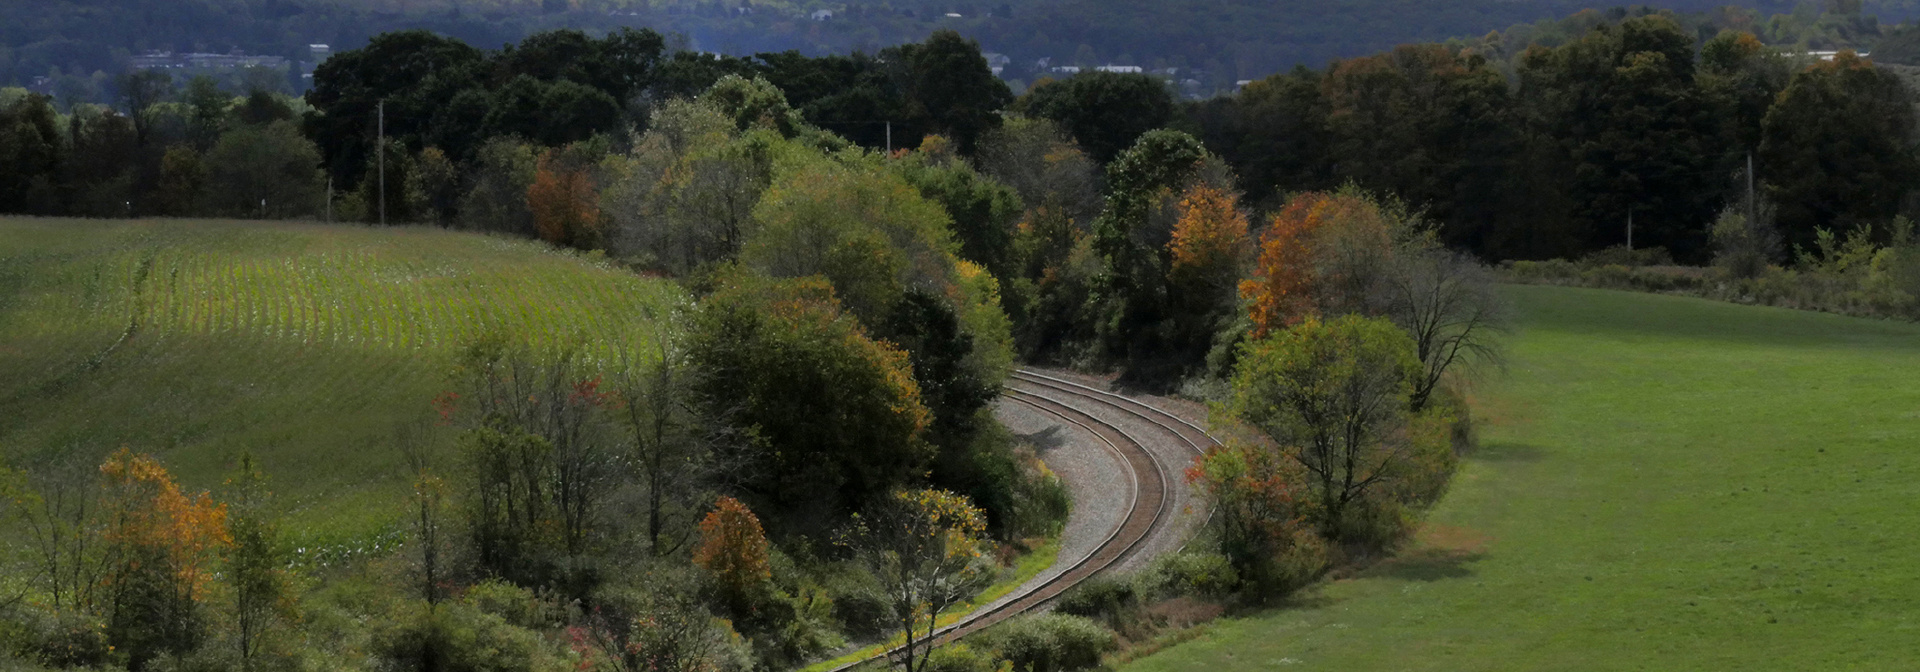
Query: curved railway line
[[1149, 503]]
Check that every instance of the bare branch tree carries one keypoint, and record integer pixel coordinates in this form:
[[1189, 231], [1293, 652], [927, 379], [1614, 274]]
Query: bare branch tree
[[1448, 304]]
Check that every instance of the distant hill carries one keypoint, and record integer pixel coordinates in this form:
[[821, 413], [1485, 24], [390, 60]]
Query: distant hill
[[1215, 41], [309, 345]]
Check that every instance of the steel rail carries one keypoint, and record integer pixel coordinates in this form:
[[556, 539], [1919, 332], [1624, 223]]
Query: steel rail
[[1149, 481]]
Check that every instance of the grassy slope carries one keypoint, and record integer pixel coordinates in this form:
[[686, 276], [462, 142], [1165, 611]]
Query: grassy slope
[[310, 345], [1666, 483]]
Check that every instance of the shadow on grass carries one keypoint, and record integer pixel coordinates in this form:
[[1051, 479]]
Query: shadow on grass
[[1504, 451], [1427, 564]]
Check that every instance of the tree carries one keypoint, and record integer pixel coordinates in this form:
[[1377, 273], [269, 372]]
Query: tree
[[268, 171], [662, 627], [503, 173], [1334, 395], [827, 418], [384, 189], [141, 91], [865, 229], [683, 198], [99, 179], [207, 110], [1106, 112], [1632, 133], [1746, 76], [261, 107], [1837, 148], [182, 180], [1256, 495], [31, 154], [417, 74], [263, 594], [1295, 276], [951, 85], [983, 211], [1431, 124], [161, 544], [1274, 133], [1448, 304], [1209, 244], [753, 103], [657, 408], [925, 547], [435, 183], [426, 514], [551, 113], [564, 203], [1043, 165], [1131, 237], [538, 457], [733, 550]]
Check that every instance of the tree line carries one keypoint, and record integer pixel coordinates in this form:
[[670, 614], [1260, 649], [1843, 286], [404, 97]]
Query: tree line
[[82, 46], [1555, 151]]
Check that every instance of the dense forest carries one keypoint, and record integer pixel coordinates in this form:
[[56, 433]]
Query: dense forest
[[1214, 45]]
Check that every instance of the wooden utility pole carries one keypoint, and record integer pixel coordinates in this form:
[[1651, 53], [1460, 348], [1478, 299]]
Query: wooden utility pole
[[1752, 217], [1629, 228], [382, 149]]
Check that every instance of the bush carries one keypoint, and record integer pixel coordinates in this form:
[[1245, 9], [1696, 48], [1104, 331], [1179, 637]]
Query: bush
[[858, 602], [1620, 255], [62, 639], [1050, 642], [457, 637], [958, 657], [1209, 575], [513, 604], [1101, 598]]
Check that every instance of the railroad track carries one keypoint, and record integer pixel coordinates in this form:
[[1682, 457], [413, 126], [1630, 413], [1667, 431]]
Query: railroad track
[[1148, 504]]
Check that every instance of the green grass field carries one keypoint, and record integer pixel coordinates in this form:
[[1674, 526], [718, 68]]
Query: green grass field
[[309, 345], [1665, 484]]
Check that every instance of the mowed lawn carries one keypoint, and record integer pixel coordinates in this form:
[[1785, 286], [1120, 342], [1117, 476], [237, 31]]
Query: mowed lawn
[[1665, 484], [320, 349]]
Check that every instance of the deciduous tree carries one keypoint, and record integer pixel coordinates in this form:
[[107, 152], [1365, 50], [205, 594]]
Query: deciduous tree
[[1334, 395], [733, 550], [925, 546], [162, 544]]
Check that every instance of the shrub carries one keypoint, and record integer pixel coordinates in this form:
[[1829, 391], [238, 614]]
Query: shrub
[[1102, 598], [1620, 255], [513, 604], [460, 638], [1741, 248], [1194, 573], [858, 602], [958, 657], [61, 639], [1050, 642]]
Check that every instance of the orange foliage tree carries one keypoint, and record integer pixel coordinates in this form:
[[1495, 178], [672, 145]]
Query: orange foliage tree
[[565, 205], [162, 544], [1256, 496], [1209, 238], [1286, 273], [733, 548]]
